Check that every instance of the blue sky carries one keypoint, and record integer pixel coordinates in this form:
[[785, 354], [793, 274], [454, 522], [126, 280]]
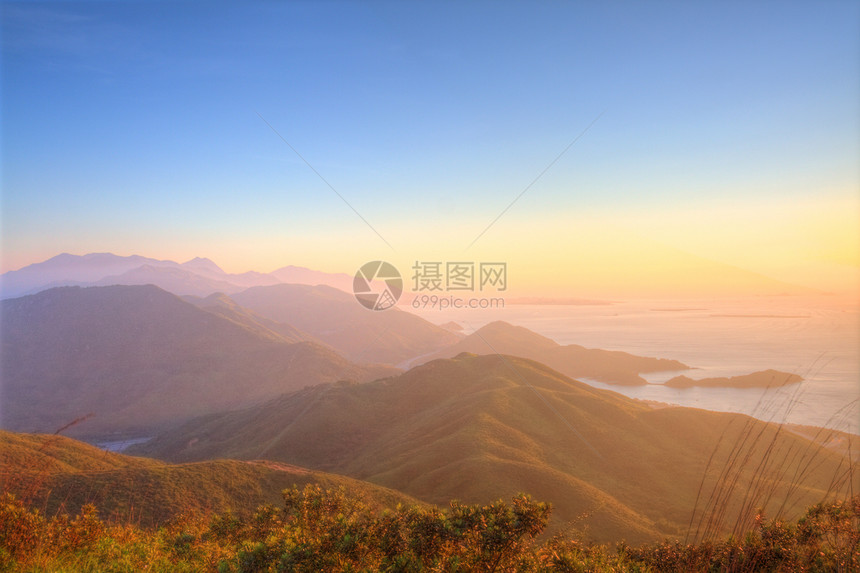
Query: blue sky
[[132, 127]]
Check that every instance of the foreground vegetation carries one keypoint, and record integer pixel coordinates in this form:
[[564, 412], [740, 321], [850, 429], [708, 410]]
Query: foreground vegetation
[[320, 529]]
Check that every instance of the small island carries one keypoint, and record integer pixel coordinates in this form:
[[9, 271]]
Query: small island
[[761, 379]]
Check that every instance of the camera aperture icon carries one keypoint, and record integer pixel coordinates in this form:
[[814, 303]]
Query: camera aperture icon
[[377, 285]]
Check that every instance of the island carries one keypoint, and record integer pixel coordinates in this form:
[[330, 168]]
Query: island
[[762, 379]]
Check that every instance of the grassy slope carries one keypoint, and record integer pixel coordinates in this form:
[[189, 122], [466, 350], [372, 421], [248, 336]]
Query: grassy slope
[[55, 473], [138, 357], [472, 428]]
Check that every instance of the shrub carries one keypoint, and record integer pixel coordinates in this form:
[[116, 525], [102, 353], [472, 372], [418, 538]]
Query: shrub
[[319, 529]]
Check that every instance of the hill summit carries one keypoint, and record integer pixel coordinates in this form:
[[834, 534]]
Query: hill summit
[[480, 428], [137, 357], [576, 361]]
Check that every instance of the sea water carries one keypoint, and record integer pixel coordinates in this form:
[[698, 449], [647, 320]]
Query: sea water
[[817, 338]]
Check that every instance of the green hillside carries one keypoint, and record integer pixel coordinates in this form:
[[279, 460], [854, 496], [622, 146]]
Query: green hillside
[[137, 357], [480, 428]]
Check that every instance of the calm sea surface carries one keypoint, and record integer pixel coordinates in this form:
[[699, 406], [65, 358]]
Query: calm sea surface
[[812, 337]]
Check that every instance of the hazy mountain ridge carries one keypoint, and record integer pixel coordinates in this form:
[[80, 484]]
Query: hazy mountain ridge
[[335, 317], [202, 277], [303, 276], [473, 428], [172, 279], [198, 276], [138, 357], [224, 306], [576, 361], [72, 268]]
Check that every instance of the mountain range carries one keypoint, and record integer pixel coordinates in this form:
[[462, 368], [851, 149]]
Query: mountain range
[[137, 357], [479, 428], [246, 383], [198, 276], [389, 337]]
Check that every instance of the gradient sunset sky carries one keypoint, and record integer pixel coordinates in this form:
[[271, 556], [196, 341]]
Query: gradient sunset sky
[[714, 138]]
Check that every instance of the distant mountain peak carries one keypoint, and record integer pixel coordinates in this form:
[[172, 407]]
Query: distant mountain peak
[[464, 356], [203, 264], [198, 276], [138, 356], [510, 332], [302, 275]]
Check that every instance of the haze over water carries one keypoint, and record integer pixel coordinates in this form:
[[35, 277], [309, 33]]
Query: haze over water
[[811, 337]]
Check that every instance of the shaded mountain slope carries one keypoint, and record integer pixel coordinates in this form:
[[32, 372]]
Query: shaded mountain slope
[[337, 319], [56, 473], [207, 268], [609, 366], [176, 280], [138, 357], [479, 428], [303, 276], [226, 307]]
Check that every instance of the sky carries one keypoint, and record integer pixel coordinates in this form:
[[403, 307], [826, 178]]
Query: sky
[[595, 147]]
